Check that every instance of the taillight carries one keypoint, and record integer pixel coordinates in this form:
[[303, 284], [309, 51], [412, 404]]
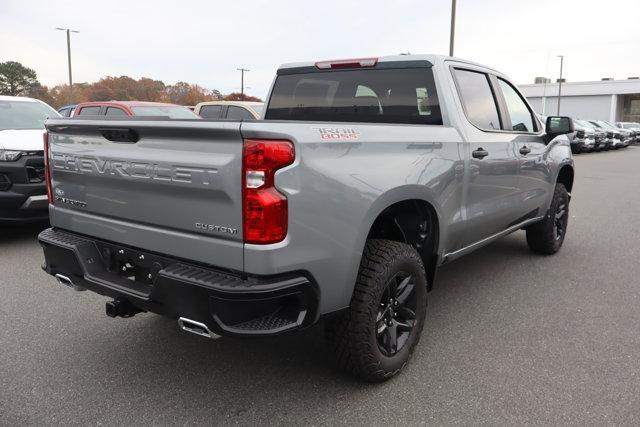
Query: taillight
[[47, 172], [265, 209]]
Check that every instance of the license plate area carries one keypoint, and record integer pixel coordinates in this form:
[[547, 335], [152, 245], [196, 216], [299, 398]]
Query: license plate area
[[133, 265]]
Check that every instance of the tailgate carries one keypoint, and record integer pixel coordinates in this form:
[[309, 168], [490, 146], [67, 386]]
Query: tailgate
[[172, 187]]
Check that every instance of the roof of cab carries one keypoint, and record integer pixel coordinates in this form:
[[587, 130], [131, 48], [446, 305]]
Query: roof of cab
[[433, 59]]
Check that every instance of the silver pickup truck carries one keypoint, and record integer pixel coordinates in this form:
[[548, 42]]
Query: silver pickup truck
[[362, 177]]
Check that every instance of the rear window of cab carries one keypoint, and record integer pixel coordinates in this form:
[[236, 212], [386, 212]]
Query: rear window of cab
[[389, 95]]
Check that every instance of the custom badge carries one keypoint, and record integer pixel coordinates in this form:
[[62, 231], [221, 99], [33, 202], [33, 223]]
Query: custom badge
[[60, 197]]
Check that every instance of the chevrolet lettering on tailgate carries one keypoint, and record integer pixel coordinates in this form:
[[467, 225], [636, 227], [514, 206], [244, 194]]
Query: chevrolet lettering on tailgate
[[133, 169]]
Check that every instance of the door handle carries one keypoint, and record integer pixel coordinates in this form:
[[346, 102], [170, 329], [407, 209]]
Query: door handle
[[480, 153], [525, 150]]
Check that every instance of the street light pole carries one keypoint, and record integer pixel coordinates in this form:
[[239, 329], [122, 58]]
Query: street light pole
[[560, 83], [242, 71], [453, 26], [69, 31]]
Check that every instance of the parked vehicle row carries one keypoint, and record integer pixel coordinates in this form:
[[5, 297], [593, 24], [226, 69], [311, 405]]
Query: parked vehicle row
[[599, 135], [128, 109], [215, 110]]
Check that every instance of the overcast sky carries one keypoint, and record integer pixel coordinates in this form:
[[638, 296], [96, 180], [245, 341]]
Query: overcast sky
[[204, 42]]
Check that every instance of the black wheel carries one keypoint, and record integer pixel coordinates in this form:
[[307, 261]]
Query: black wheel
[[376, 336], [547, 236]]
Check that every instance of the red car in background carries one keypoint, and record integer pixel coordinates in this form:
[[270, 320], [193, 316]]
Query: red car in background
[[133, 108]]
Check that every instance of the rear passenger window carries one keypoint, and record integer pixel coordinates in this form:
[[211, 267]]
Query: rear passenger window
[[521, 117], [114, 111], [238, 113], [477, 98], [89, 111], [210, 111]]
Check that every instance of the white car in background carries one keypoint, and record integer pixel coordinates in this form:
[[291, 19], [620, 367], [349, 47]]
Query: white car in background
[[233, 110], [23, 194]]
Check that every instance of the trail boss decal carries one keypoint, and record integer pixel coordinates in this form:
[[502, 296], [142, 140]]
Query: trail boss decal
[[341, 134]]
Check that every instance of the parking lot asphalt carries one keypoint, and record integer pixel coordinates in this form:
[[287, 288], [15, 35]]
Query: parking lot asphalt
[[511, 337]]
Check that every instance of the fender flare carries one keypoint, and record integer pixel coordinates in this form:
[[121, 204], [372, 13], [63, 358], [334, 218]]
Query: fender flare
[[395, 195], [382, 202]]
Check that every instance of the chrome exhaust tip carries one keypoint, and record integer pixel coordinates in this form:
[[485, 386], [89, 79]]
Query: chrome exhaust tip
[[196, 328], [64, 280]]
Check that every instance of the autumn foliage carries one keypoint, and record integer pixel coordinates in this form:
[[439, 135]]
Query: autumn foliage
[[109, 88], [127, 89], [237, 96]]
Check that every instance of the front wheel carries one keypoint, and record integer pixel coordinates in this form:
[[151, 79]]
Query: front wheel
[[375, 337], [547, 236]]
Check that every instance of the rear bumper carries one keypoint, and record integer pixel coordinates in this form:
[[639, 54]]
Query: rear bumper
[[226, 302]]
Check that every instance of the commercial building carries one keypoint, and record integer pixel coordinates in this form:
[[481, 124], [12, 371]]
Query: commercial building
[[607, 99]]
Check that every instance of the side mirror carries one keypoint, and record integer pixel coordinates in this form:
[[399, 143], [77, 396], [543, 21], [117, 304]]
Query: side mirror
[[558, 125]]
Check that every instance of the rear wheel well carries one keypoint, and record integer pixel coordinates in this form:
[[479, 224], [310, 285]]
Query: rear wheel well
[[413, 222], [565, 177]]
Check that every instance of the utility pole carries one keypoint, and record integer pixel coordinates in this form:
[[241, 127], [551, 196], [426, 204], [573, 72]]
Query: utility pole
[[242, 71], [560, 83], [69, 31], [544, 97], [453, 26]]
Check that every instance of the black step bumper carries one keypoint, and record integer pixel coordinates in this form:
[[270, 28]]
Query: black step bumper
[[226, 302]]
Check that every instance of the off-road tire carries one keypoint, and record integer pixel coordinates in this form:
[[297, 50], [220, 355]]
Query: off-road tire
[[543, 236], [354, 334]]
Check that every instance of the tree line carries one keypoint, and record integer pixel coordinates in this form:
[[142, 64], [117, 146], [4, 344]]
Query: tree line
[[18, 80]]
